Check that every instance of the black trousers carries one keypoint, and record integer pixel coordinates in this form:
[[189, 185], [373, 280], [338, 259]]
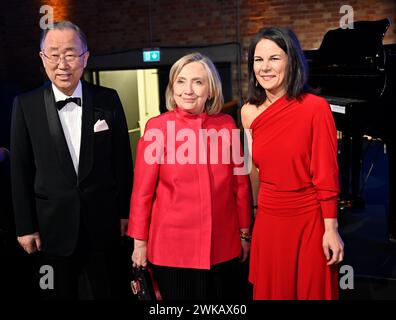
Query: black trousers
[[85, 275], [222, 282]]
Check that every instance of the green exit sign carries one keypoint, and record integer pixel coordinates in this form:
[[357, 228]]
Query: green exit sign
[[151, 55]]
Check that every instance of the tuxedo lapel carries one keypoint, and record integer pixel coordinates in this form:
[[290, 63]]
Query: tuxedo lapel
[[57, 135], [87, 133]]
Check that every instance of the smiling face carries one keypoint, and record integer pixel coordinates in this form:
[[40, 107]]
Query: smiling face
[[191, 88], [65, 75], [269, 66]]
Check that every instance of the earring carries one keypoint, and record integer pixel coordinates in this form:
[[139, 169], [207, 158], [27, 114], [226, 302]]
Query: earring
[[256, 83]]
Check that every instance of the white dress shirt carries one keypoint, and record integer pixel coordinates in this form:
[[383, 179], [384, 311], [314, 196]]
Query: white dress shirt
[[70, 117]]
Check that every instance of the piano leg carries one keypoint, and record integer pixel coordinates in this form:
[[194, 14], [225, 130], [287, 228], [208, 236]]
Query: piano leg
[[390, 149], [350, 172], [356, 197], [345, 170]]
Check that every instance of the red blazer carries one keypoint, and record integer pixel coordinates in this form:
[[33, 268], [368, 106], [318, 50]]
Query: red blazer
[[189, 213]]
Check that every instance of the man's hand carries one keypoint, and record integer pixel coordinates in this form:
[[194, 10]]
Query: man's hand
[[124, 226], [30, 242]]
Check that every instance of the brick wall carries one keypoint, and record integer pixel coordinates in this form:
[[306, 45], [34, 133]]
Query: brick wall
[[21, 33], [116, 25], [309, 19]]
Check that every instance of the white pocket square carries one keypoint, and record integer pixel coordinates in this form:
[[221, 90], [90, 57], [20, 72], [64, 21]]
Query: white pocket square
[[100, 125]]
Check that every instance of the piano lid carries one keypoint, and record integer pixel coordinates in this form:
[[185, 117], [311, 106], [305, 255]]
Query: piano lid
[[358, 46], [351, 62]]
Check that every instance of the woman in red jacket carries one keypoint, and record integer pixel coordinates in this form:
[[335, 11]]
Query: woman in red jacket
[[295, 244], [190, 212]]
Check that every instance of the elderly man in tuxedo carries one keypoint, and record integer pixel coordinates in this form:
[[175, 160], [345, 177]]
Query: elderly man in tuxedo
[[71, 171]]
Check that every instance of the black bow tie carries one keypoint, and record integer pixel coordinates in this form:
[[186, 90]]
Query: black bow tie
[[60, 104]]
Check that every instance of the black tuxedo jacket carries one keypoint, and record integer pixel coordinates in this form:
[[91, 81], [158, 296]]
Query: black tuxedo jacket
[[48, 196]]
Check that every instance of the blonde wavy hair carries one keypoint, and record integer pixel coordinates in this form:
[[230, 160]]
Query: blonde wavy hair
[[215, 102]]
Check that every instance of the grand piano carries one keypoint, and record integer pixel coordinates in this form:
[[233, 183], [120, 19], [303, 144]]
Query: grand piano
[[356, 73]]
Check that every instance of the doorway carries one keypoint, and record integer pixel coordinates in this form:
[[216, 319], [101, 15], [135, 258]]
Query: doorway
[[139, 93]]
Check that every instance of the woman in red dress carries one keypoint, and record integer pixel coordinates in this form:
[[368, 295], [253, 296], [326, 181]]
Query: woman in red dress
[[188, 207], [295, 242]]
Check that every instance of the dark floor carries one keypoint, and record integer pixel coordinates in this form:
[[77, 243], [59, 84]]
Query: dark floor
[[364, 231]]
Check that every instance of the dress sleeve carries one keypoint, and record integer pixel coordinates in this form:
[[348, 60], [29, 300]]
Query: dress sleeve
[[148, 157], [324, 166]]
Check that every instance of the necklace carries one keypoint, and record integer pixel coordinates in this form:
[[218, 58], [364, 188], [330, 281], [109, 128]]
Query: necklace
[[266, 103]]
